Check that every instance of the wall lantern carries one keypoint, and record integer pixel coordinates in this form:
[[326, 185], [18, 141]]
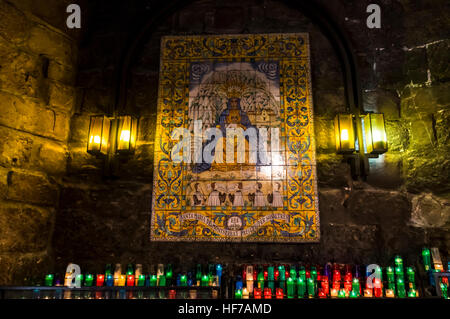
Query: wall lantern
[[345, 133], [370, 128], [98, 138], [374, 133], [112, 138]]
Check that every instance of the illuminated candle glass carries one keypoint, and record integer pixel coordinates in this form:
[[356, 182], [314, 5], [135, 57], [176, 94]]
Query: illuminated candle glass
[[325, 285], [238, 294], [121, 281], [334, 292], [398, 262], [267, 293], [313, 273], [327, 272], [368, 293], [249, 278], [411, 293], [109, 280], [378, 292], [355, 286], [347, 287], [130, 280], [219, 270], [301, 287], [162, 281], [49, 280], [261, 280], [153, 281], [390, 293], [183, 281], [311, 288], [341, 293], [322, 294], [282, 273], [354, 294], [89, 280], [279, 293], [336, 275], [205, 281], [100, 280], [399, 272], [198, 274], [245, 293], [290, 288], [401, 288], [390, 274], [270, 273], [426, 256], [130, 270], [410, 274], [141, 281], [257, 293], [169, 274], [172, 294], [444, 290], [117, 273]]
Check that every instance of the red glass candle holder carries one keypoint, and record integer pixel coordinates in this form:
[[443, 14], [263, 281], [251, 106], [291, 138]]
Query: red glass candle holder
[[172, 294], [257, 293], [280, 294], [130, 280], [267, 293], [100, 280]]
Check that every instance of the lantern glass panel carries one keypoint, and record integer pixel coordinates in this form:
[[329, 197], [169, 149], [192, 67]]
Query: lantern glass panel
[[126, 134], [375, 133], [98, 138], [345, 133]]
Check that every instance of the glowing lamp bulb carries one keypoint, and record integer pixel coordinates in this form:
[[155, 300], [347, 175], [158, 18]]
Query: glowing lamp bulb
[[344, 135], [125, 136]]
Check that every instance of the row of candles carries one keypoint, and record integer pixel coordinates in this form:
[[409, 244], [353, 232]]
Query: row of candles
[[134, 276], [290, 281]]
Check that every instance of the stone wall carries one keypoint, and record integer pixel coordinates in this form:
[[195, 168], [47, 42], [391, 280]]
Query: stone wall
[[37, 74], [401, 207]]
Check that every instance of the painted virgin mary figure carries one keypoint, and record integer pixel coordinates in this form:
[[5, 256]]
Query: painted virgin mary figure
[[232, 117]]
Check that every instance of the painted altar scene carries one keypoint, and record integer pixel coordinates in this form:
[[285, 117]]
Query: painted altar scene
[[234, 147]]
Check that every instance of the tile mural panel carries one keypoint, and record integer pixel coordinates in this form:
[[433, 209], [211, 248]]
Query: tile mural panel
[[257, 187]]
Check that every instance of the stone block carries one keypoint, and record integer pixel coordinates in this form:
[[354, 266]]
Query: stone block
[[427, 171], [52, 158], [332, 170], [324, 135], [421, 132], [61, 96], [16, 149], [442, 118], [429, 211], [418, 100], [386, 171], [13, 24], [52, 44], [24, 228], [376, 207], [20, 72], [415, 67], [61, 73], [397, 134], [29, 116], [33, 188], [439, 60]]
